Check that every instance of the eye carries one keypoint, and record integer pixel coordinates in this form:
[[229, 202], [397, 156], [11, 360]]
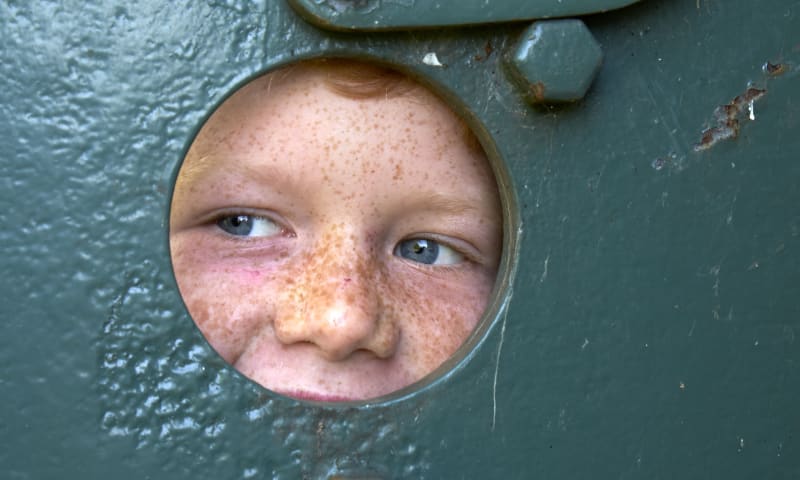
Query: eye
[[248, 226], [429, 252]]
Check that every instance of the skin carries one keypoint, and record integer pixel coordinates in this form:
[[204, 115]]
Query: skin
[[317, 302]]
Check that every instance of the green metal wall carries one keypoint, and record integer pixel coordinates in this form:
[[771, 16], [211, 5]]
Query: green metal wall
[[651, 332]]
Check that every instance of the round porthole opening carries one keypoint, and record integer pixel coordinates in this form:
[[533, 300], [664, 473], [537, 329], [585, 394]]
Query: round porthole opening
[[336, 231]]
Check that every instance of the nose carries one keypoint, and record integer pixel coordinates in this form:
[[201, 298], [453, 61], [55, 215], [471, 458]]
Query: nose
[[335, 304]]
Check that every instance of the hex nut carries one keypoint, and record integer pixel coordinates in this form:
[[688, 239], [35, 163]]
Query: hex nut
[[555, 61]]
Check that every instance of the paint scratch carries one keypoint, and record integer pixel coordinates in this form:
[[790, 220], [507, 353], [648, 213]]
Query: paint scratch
[[497, 361], [544, 271]]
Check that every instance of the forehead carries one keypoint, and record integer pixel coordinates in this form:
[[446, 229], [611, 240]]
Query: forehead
[[291, 112]]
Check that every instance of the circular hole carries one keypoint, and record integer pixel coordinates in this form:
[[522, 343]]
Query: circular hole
[[336, 231]]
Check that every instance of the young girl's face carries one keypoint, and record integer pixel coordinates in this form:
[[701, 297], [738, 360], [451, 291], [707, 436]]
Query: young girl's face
[[333, 248]]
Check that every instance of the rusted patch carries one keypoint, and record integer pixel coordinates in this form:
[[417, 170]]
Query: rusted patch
[[715, 134], [537, 91], [487, 49], [775, 69], [728, 118]]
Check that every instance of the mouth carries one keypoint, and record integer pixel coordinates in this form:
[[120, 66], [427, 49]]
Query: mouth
[[317, 397]]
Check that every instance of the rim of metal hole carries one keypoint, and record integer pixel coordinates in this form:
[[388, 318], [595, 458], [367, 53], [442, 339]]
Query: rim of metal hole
[[501, 294]]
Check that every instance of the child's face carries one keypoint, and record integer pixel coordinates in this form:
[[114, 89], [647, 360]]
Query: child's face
[[333, 248]]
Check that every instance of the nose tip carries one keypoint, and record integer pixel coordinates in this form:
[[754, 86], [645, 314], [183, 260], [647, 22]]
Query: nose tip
[[345, 325], [342, 315]]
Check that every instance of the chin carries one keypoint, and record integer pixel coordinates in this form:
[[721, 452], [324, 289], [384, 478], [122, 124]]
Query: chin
[[309, 396]]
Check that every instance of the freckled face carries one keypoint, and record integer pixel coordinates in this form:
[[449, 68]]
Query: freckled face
[[333, 248]]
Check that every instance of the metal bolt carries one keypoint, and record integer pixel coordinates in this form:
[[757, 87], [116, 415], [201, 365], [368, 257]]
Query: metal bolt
[[555, 61]]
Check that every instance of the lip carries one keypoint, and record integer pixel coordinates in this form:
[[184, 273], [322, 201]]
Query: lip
[[316, 397]]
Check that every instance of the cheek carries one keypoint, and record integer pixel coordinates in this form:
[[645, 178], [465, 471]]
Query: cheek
[[435, 316], [229, 301]]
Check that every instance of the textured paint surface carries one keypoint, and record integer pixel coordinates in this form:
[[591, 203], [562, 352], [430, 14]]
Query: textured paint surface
[[652, 331], [400, 14]]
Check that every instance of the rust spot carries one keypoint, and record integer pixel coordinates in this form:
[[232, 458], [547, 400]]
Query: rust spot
[[537, 91], [749, 96], [728, 118], [711, 136], [774, 69], [723, 113], [487, 49]]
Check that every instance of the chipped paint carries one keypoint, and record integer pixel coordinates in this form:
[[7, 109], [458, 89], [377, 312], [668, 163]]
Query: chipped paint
[[775, 69], [432, 59], [728, 118]]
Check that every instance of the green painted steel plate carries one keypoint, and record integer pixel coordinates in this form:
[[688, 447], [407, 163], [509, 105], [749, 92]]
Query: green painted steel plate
[[652, 329]]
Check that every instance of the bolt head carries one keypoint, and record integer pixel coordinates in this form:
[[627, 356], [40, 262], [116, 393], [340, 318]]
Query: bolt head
[[555, 61]]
